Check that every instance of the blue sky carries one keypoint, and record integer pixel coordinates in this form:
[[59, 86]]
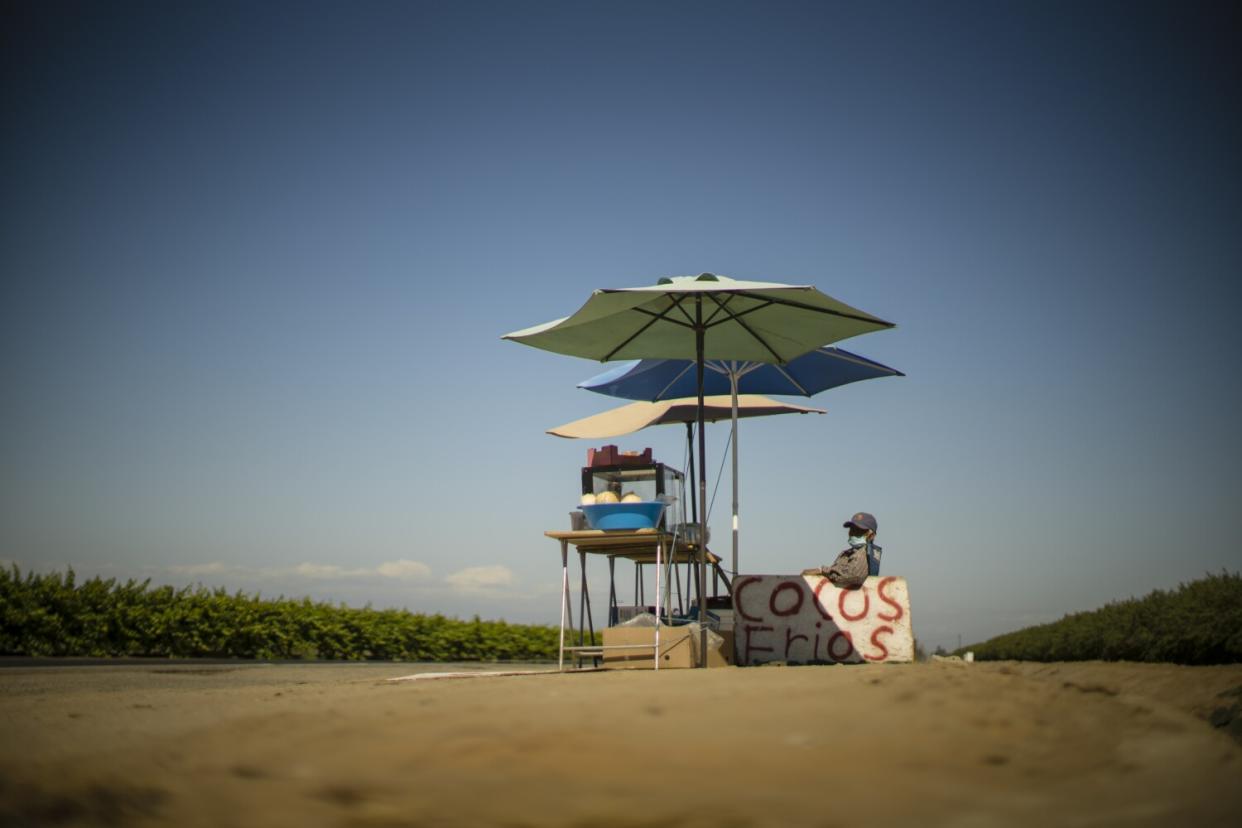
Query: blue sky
[[258, 259]]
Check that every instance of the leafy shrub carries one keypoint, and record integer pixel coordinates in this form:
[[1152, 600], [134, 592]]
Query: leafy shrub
[[1198, 623], [52, 615]]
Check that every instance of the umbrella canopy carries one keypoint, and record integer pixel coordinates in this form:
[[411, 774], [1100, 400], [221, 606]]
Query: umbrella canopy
[[629, 418], [702, 317], [806, 375], [753, 321]]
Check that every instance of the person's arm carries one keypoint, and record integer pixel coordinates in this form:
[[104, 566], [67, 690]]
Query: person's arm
[[849, 570]]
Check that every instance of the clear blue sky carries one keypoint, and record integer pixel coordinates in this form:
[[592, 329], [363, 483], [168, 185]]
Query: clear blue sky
[[258, 258]]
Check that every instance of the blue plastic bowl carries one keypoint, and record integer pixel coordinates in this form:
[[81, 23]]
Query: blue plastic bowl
[[644, 514]]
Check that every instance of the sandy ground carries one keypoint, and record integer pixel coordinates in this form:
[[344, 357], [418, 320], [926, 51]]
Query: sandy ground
[[924, 744]]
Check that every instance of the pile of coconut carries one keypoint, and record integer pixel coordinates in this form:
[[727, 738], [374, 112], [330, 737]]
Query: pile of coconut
[[609, 497]]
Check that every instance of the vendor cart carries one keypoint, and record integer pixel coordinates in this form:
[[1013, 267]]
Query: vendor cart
[[642, 547]]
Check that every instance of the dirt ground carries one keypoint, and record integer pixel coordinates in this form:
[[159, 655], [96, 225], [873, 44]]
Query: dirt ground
[[928, 744]]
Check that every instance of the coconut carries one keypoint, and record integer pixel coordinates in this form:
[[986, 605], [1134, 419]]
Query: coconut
[[631, 497], [606, 497], [587, 500]]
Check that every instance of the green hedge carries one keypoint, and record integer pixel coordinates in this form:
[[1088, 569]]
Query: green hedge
[[1198, 623], [52, 615]]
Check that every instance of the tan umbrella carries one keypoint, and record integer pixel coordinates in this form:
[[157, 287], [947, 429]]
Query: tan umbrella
[[630, 418]]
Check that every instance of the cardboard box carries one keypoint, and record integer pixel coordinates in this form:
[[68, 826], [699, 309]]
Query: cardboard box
[[612, 456], [676, 650]]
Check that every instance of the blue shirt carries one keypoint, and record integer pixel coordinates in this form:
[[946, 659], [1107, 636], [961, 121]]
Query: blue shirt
[[873, 558]]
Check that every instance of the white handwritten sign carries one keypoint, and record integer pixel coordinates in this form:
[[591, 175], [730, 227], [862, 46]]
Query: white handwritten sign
[[804, 619]]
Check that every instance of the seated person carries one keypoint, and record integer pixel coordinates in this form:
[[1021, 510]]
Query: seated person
[[861, 559]]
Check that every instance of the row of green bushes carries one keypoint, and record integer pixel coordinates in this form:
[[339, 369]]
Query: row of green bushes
[[1197, 623], [53, 615]]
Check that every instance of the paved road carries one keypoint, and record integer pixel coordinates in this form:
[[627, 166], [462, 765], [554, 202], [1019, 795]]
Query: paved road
[[61, 677]]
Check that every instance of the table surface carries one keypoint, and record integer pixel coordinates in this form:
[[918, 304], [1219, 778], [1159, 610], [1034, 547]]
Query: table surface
[[636, 544]]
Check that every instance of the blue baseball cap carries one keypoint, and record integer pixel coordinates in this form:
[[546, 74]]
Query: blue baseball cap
[[862, 520]]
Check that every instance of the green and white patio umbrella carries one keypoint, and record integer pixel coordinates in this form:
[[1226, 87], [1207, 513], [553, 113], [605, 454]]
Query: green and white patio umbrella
[[702, 317]]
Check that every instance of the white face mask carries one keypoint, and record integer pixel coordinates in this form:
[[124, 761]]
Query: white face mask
[[858, 540]]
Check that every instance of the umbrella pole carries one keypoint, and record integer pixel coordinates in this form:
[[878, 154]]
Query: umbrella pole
[[694, 502], [699, 332], [733, 383]]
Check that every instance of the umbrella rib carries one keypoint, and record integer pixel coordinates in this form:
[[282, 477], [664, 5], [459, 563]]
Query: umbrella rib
[[720, 308], [845, 356], [803, 306], [792, 381], [736, 317], [655, 317], [732, 316], [663, 315], [671, 382], [748, 367], [676, 299]]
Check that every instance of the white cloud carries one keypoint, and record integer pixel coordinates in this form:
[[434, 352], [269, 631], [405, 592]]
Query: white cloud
[[401, 570], [481, 578], [213, 568], [405, 570], [314, 570]]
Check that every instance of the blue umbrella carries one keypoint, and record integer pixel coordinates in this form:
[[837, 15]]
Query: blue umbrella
[[805, 376]]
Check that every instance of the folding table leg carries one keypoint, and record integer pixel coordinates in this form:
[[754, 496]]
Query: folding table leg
[[613, 615], [565, 613], [586, 614]]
